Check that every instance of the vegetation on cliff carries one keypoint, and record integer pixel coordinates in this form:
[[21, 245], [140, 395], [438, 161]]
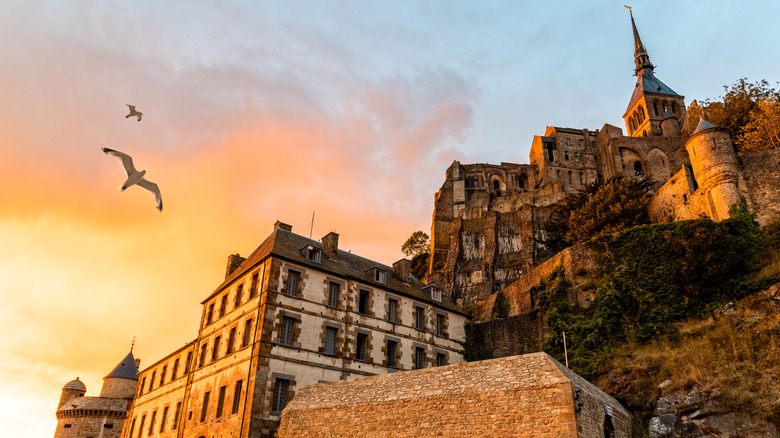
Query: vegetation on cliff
[[418, 245], [650, 277], [601, 207]]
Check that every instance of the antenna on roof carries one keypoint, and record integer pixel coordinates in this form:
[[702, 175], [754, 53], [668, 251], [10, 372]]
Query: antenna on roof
[[311, 229]]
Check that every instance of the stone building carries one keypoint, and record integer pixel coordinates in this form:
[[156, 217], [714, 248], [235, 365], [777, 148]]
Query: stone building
[[523, 396], [488, 220], [79, 416], [295, 312]]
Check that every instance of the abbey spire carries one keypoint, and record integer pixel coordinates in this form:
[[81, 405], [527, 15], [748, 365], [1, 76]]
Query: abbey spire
[[651, 98], [641, 58]]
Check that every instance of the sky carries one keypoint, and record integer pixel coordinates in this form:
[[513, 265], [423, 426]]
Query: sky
[[258, 111]]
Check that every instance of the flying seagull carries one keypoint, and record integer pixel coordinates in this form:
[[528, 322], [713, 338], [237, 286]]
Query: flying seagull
[[133, 112], [136, 177]]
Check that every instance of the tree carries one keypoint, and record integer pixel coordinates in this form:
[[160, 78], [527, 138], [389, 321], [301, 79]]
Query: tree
[[762, 132], [418, 243], [602, 207], [737, 108]]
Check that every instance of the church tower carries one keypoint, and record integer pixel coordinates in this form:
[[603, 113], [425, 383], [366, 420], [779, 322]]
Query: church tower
[[651, 99]]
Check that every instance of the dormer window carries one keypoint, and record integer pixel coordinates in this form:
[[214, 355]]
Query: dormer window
[[313, 254], [434, 292], [379, 275]]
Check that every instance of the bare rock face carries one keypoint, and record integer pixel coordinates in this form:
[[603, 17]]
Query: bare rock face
[[695, 415]]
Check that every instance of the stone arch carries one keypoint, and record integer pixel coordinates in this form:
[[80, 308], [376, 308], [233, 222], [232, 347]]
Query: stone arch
[[497, 184], [657, 165], [632, 163]]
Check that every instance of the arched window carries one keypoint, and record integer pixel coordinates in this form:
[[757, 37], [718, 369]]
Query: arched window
[[655, 109], [571, 182], [521, 182], [638, 168], [641, 113]]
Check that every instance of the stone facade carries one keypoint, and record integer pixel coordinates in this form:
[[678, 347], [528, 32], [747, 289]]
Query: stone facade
[[79, 416], [524, 396], [488, 220], [294, 313]]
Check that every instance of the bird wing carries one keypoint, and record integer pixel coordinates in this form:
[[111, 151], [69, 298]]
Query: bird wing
[[139, 116], [132, 107], [154, 190], [127, 161]]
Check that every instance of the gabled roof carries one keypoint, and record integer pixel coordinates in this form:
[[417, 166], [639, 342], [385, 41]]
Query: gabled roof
[[290, 246], [126, 369], [646, 82]]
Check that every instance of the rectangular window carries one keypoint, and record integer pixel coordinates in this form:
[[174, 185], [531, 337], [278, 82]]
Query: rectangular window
[[280, 396], [151, 423], [175, 369], [162, 375], [151, 381], [237, 396], [576, 156], [565, 155], [330, 340], [379, 275], [223, 306], [441, 359], [162, 420], [286, 337], [419, 358], [253, 286], [292, 283], [239, 292], [593, 144], [188, 363], [436, 294], [420, 320], [231, 341], [141, 386], [568, 141], [141, 426], [439, 324], [215, 351], [203, 354], [176, 416], [221, 400], [247, 333], [210, 314], [362, 347], [392, 310], [333, 294], [363, 302], [392, 352], [579, 142], [204, 411], [132, 428]]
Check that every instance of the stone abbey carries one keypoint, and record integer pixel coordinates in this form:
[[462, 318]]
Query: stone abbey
[[488, 221]]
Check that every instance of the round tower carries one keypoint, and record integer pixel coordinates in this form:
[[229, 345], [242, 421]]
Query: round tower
[[670, 126], [123, 380], [72, 389], [714, 166]]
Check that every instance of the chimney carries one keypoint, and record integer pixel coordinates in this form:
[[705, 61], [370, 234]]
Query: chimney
[[403, 269], [330, 244], [138, 363], [282, 226], [234, 261]]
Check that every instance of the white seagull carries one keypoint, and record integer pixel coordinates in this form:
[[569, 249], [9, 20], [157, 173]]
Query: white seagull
[[136, 177], [133, 112]]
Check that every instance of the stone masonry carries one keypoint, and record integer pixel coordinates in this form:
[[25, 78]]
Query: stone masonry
[[522, 396]]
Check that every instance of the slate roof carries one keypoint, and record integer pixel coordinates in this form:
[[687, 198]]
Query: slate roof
[[646, 82], [290, 246], [703, 126], [95, 404], [126, 369], [77, 384]]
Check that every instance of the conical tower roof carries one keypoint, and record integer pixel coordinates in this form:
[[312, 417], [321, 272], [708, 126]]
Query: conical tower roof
[[77, 384], [703, 126], [126, 369]]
